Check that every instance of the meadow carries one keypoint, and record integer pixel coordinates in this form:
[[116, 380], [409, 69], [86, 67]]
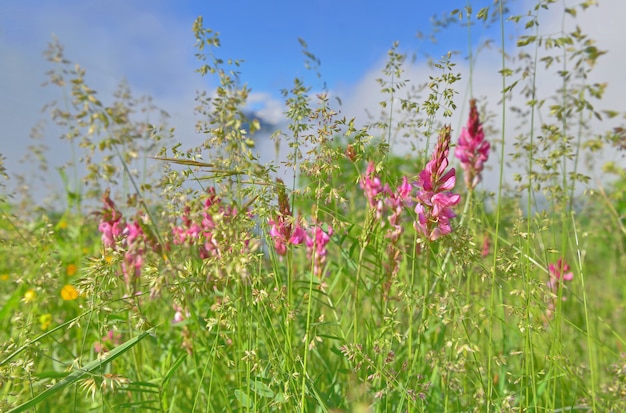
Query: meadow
[[371, 280]]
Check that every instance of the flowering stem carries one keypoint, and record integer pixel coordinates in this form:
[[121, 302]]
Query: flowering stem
[[470, 57], [365, 240], [356, 294], [590, 340], [466, 212], [289, 326]]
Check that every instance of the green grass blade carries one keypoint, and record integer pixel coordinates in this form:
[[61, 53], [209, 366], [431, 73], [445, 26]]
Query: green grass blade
[[78, 374]]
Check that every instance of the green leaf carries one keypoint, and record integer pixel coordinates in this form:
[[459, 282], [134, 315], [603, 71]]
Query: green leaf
[[173, 369], [261, 389], [244, 399], [7, 308]]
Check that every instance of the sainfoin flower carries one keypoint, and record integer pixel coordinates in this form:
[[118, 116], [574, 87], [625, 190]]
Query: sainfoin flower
[[372, 186], [200, 231], [559, 272], [108, 341], [284, 232], [129, 237], [316, 247], [472, 149], [434, 201], [135, 250], [396, 201], [180, 314], [284, 229], [111, 224]]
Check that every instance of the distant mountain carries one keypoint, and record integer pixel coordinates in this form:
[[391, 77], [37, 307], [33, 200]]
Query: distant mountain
[[267, 127]]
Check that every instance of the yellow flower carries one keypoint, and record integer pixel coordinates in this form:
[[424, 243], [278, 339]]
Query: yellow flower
[[4, 277], [62, 224], [71, 269], [108, 258], [69, 293], [29, 296], [45, 320]]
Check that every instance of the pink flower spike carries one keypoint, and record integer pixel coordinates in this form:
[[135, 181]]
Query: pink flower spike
[[472, 149], [316, 247], [486, 246], [371, 185], [559, 271], [111, 224], [434, 203], [285, 233]]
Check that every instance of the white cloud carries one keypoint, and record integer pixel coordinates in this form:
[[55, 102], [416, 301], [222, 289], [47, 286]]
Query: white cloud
[[113, 41], [267, 107]]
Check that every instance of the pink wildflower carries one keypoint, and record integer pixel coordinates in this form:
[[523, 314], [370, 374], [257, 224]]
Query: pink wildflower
[[434, 202], [558, 272], [282, 229], [472, 149], [284, 233], [108, 341], [180, 314], [486, 245], [131, 237], [111, 224], [316, 246], [135, 249], [396, 201], [202, 233], [370, 183]]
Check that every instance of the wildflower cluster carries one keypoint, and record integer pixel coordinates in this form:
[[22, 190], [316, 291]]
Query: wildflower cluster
[[203, 232], [286, 230], [283, 229], [433, 201], [395, 202], [432, 204], [472, 149], [128, 237]]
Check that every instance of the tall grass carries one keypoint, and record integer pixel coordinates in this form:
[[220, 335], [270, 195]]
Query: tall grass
[[370, 281]]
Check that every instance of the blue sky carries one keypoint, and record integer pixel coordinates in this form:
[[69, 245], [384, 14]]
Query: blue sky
[[350, 37], [150, 44]]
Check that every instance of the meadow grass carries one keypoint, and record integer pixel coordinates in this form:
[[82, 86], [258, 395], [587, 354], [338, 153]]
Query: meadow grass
[[369, 281]]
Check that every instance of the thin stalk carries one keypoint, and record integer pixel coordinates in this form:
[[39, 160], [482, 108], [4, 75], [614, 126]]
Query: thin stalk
[[492, 303], [588, 324], [529, 362], [355, 303], [307, 337], [470, 55], [390, 120], [557, 345]]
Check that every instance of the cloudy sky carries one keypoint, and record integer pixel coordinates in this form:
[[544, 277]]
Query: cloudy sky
[[149, 43]]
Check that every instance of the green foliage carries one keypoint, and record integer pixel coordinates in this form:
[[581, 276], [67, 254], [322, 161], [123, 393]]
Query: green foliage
[[196, 291]]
